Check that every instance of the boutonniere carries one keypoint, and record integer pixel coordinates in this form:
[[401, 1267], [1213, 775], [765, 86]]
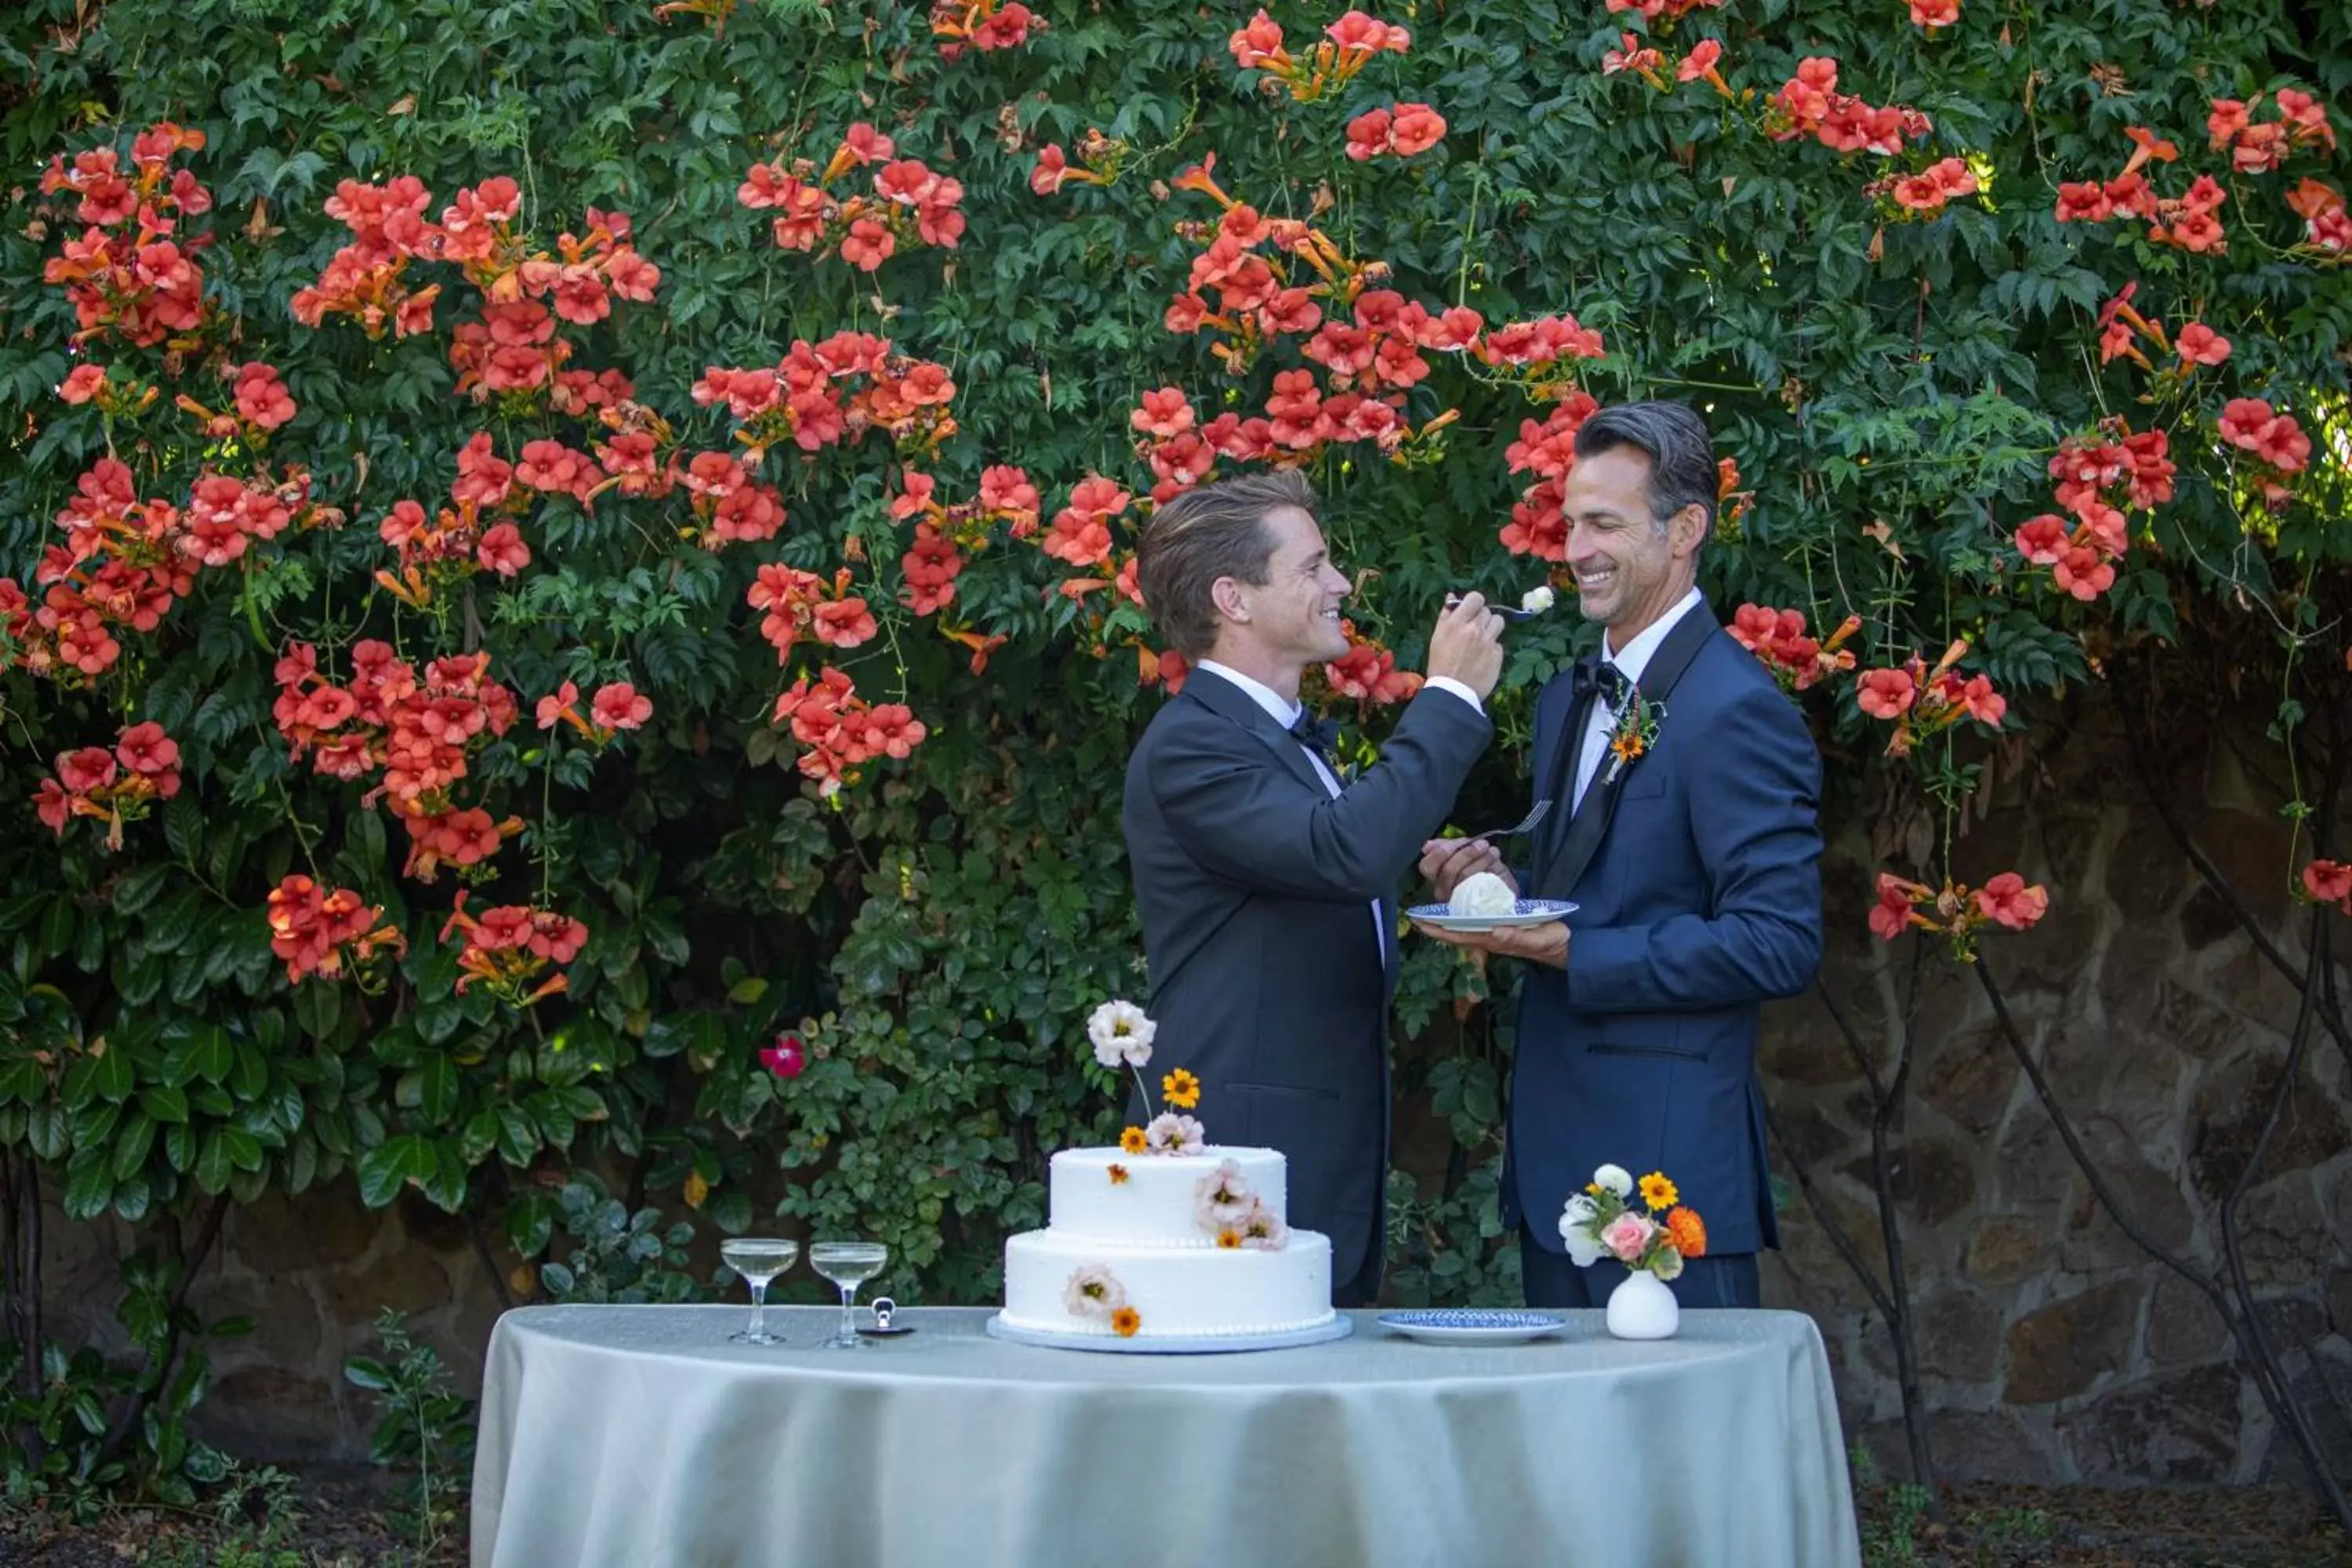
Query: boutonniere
[[1636, 733]]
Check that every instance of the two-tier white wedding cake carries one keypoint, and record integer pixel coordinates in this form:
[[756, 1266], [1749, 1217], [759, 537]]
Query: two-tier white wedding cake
[[1169, 1247]]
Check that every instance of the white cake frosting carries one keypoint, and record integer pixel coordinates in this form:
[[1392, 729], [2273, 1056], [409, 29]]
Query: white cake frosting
[[1157, 1205], [1150, 1236], [1482, 893]]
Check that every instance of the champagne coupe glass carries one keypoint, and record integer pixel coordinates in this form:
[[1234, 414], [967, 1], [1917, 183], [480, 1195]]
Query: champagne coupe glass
[[848, 1264], [758, 1259]]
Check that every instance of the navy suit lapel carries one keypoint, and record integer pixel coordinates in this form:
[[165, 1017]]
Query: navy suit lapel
[[1221, 696], [1574, 850], [1557, 783]]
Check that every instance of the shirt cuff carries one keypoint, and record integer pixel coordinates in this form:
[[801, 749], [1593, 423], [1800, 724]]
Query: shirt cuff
[[1447, 683]]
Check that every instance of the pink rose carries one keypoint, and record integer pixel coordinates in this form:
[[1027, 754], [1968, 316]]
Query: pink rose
[[1627, 1236]]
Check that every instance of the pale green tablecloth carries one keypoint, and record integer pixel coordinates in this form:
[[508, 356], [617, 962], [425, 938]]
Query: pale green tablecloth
[[638, 1436]]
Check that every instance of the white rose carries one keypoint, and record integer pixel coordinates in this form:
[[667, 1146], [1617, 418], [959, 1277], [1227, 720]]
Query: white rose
[[1121, 1034], [1581, 1210], [1535, 601], [1615, 1179], [1583, 1250]]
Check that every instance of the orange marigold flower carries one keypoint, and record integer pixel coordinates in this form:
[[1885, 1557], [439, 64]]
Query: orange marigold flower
[[1688, 1232]]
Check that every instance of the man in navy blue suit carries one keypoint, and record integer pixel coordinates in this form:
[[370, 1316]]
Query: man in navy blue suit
[[1266, 880], [1695, 866]]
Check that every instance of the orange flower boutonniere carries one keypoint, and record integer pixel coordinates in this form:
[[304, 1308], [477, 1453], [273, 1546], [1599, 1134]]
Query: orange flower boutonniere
[[1636, 732]]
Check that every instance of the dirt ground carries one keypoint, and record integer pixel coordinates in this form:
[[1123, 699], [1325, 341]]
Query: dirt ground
[[2009, 1526]]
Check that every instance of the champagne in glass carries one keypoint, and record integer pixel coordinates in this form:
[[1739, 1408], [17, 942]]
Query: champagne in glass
[[848, 1264], [758, 1260]]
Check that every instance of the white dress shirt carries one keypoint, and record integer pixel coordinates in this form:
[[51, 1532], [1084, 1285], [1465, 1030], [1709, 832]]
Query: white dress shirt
[[1286, 713], [1630, 661]]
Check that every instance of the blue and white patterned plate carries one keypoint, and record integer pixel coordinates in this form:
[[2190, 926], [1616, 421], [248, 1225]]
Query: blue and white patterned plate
[[1471, 1325], [1526, 913]]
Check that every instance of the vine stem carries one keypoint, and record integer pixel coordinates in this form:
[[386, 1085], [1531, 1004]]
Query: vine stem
[[303, 832], [2269, 1380]]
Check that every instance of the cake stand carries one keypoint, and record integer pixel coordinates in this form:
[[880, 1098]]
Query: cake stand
[[1339, 1327]]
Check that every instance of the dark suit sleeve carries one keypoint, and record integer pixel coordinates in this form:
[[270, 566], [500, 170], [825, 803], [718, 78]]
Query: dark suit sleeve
[[1238, 811], [1754, 812]]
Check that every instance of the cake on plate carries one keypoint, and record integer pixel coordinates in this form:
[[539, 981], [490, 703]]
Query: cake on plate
[[1166, 1246], [1167, 1241]]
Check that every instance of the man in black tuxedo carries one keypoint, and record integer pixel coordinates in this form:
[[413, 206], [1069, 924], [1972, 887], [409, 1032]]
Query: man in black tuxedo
[[1266, 886], [1695, 866]]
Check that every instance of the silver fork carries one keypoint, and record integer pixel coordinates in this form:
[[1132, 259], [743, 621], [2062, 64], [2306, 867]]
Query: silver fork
[[1526, 825], [1512, 611]]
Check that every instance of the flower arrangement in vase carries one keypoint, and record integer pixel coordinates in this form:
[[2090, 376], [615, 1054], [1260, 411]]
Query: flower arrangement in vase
[[1652, 1239]]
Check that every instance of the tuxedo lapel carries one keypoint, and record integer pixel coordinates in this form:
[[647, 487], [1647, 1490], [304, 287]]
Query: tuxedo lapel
[[1585, 831], [1557, 783], [1223, 697], [1558, 874]]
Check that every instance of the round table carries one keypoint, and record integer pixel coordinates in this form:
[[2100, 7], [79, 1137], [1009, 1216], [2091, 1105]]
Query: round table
[[639, 1436]]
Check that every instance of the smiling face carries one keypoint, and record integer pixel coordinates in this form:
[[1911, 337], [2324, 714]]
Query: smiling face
[[1628, 570], [1292, 619]]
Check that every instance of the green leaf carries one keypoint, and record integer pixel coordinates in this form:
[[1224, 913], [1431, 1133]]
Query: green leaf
[[47, 1131], [164, 1103], [362, 1371], [215, 1054], [90, 1188], [136, 888], [131, 1143], [251, 1073], [116, 1074], [214, 1166], [394, 1163], [132, 1198], [318, 1007], [244, 1150], [438, 1087]]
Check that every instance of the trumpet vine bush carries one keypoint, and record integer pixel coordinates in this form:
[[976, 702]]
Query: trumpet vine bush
[[551, 547]]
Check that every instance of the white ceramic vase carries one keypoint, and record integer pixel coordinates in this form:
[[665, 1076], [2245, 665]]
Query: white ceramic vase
[[1643, 1308]]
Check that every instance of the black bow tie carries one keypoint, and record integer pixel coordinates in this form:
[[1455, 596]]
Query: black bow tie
[[1596, 676], [1320, 736]]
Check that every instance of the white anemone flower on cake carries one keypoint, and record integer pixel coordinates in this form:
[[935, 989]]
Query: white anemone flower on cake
[[1121, 1033]]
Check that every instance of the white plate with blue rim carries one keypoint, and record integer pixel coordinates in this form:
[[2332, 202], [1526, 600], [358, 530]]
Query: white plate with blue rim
[[1525, 912], [1472, 1325]]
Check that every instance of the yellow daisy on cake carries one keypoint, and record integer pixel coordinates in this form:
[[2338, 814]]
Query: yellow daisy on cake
[[1130, 1140], [1125, 1322], [1180, 1090], [1659, 1192]]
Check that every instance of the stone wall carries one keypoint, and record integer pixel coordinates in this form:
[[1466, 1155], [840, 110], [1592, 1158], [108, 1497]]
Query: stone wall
[[313, 1271], [2051, 1348]]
